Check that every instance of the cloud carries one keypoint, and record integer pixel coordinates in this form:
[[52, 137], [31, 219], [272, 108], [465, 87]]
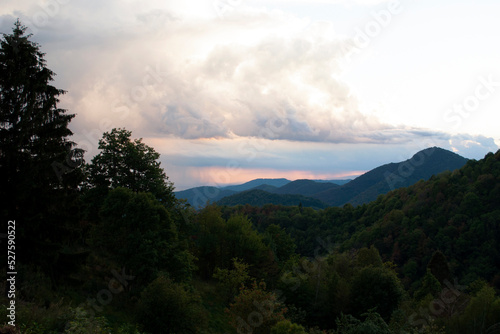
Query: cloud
[[256, 85], [256, 73]]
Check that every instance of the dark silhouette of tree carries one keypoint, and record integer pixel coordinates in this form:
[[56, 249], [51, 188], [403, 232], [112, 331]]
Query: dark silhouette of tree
[[129, 163], [439, 267], [39, 166], [138, 232]]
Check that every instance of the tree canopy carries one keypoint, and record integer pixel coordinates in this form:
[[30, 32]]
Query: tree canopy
[[129, 163]]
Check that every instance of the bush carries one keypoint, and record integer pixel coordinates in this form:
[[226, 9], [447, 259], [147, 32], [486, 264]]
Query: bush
[[287, 327], [169, 307], [84, 323]]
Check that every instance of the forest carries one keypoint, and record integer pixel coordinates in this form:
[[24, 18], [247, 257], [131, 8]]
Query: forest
[[104, 246]]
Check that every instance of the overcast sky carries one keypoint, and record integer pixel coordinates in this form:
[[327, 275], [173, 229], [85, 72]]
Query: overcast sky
[[231, 90]]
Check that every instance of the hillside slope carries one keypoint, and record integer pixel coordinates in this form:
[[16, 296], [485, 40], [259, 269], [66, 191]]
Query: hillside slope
[[385, 178], [257, 197], [305, 187]]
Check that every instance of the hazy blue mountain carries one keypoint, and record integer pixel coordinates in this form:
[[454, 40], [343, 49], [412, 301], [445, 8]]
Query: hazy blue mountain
[[339, 182], [199, 196], [257, 182], [266, 187], [362, 189], [305, 187], [383, 179], [257, 197]]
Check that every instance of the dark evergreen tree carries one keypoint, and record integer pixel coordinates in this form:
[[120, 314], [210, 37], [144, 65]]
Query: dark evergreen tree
[[38, 163]]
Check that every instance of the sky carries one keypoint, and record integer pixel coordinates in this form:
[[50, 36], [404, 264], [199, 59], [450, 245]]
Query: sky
[[231, 90]]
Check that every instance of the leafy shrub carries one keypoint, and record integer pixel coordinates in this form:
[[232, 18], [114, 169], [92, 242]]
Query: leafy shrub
[[169, 307]]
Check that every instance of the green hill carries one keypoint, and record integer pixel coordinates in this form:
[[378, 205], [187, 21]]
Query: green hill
[[257, 197], [456, 213]]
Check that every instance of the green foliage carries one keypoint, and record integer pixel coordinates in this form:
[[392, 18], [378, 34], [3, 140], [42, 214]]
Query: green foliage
[[232, 279], [258, 197], [430, 286], [255, 310], [439, 267], [369, 257], [218, 241], [84, 323], [280, 242], [481, 313], [131, 164], [137, 231], [287, 327], [169, 307], [373, 324], [409, 225], [33, 318], [378, 288]]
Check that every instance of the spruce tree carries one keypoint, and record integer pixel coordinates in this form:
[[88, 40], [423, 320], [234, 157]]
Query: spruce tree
[[38, 163]]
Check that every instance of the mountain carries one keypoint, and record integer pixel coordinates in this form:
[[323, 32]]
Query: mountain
[[199, 196], [339, 182], [456, 213], [383, 179], [257, 197], [305, 187], [363, 189], [257, 182]]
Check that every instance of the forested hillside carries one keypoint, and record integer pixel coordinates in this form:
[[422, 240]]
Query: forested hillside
[[456, 213], [363, 189], [104, 246]]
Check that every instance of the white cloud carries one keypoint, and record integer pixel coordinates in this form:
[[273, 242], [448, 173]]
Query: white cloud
[[178, 71]]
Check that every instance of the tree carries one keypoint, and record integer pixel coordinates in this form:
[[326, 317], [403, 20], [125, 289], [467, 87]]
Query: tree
[[430, 286], [131, 164], [287, 327], [481, 313], [281, 243], [255, 310], [369, 257], [232, 280], [219, 241], [439, 267], [375, 287], [373, 324], [38, 163], [169, 307], [137, 231]]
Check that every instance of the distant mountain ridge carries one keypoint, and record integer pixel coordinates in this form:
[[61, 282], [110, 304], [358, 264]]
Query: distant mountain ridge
[[199, 196], [256, 183], [257, 197], [320, 193], [366, 188]]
